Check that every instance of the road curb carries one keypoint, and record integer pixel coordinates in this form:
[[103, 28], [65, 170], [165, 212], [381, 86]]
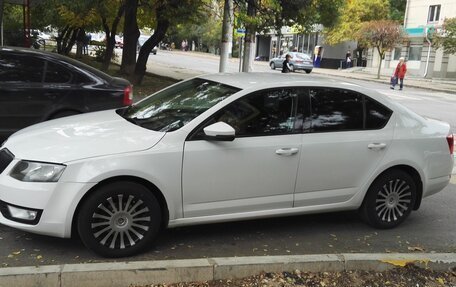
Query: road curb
[[169, 271]]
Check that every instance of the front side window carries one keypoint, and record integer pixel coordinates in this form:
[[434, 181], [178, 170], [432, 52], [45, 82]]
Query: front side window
[[263, 113], [174, 107], [434, 13], [21, 68], [335, 110]]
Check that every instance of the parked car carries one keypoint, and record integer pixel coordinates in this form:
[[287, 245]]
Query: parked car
[[299, 61], [189, 154], [141, 40], [36, 86]]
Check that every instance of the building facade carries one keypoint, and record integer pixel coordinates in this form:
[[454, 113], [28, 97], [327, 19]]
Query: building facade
[[422, 19]]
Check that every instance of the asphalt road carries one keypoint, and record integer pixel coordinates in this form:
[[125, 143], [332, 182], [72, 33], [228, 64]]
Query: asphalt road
[[427, 103], [432, 228]]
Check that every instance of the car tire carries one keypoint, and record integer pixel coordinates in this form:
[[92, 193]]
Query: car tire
[[119, 219], [62, 114], [389, 200], [308, 71], [272, 65]]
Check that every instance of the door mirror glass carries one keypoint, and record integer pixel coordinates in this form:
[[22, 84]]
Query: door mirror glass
[[219, 131]]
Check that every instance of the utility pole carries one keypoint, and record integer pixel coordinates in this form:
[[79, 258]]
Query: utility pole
[[227, 34], [249, 42]]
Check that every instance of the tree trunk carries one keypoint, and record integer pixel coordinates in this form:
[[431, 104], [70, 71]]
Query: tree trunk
[[249, 41], [227, 32], [159, 35], [131, 35], [111, 37], [380, 63], [359, 56], [69, 40]]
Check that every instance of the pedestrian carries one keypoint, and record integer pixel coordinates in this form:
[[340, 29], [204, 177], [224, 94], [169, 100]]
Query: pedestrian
[[286, 67], [348, 59], [399, 74]]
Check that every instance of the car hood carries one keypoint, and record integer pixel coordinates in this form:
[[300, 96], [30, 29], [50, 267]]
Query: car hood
[[79, 137]]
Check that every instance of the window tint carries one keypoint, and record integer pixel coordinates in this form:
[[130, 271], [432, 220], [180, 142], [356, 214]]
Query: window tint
[[434, 13], [414, 53], [56, 74], [15, 68], [377, 115], [335, 110], [263, 113]]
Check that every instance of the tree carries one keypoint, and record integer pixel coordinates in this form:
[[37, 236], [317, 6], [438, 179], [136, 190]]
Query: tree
[[352, 15], [227, 32], [447, 39], [165, 13], [261, 16], [383, 35], [397, 10], [110, 13]]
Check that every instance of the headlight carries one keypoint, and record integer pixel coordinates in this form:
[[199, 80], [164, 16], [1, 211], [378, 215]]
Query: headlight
[[37, 171]]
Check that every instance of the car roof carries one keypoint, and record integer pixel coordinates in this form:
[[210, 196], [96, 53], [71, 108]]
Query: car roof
[[58, 57], [257, 80]]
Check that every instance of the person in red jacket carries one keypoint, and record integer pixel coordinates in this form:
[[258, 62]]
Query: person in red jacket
[[399, 73]]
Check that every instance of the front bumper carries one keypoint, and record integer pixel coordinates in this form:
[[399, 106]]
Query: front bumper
[[57, 202]]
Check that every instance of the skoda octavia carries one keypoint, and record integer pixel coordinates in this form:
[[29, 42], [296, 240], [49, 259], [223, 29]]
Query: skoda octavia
[[217, 148]]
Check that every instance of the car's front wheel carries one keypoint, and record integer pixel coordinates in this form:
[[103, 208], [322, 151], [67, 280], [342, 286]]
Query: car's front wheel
[[119, 219], [389, 200]]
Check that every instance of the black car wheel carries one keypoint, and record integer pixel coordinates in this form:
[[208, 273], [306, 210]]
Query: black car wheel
[[308, 71], [272, 65], [389, 200], [119, 219]]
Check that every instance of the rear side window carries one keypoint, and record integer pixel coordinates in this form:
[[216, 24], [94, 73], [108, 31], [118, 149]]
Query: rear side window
[[344, 110], [336, 110], [21, 68], [377, 115], [56, 73]]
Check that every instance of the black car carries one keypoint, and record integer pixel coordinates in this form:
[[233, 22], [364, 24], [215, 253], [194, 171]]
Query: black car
[[36, 86]]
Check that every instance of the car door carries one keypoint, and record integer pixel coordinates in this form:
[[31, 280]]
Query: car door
[[256, 171], [347, 136], [21, 84], [279, 61]]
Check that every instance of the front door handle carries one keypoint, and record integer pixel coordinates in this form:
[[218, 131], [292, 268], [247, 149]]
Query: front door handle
[[376, 146], [287, 151]]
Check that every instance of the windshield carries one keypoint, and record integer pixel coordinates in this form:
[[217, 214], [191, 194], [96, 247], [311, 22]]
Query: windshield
[[173, 108]]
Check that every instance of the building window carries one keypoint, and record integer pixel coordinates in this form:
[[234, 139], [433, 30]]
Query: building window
[[397, 53], [434, 13], [414, 53]]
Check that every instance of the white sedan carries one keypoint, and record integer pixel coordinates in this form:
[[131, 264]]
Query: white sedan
[[217, 148]]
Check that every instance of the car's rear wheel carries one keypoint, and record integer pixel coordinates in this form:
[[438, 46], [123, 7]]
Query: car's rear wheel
[[389, 200], [119, 219], [272, 65], [308, 71]]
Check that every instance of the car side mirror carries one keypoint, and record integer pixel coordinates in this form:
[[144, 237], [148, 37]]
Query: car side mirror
[[219, 131]]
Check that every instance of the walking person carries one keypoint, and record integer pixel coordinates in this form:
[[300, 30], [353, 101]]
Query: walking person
[[348, 59], [286, 67], [399, 74]]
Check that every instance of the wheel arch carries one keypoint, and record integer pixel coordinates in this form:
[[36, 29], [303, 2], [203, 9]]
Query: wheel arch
[[415, 176], [149, 185]]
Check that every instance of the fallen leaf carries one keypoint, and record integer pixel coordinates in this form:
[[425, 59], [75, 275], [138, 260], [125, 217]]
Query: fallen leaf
[[415, 248], [441, 281]]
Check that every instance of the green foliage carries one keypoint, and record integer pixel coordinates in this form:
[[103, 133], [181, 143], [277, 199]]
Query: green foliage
[[352, 15], [397, 10], [100, 54], [447, 39]]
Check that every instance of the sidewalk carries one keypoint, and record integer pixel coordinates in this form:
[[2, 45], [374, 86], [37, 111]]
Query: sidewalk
[[206, 269]]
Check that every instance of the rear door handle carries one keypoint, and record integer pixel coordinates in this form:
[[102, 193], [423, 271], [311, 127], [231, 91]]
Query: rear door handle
[[376, 146], [287, 151]]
